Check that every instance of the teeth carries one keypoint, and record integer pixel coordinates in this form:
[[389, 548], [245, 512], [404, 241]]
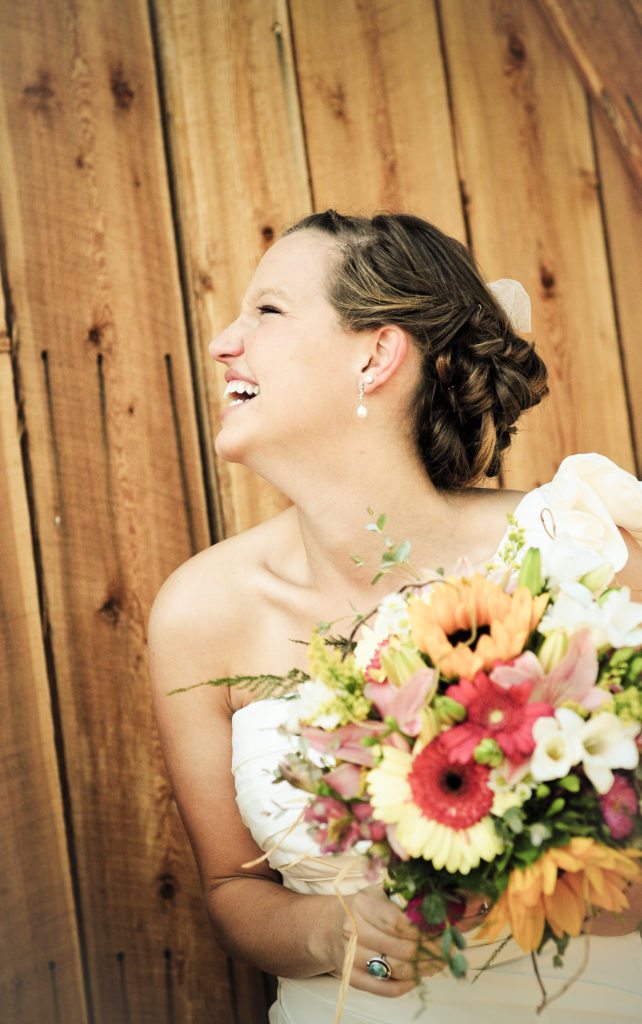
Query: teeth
[[241, 387]]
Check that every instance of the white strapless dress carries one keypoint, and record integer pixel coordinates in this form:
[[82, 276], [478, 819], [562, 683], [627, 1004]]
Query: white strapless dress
[[589, 497]]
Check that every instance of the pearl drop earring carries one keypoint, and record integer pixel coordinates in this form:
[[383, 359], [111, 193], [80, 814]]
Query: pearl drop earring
[[362, 412]]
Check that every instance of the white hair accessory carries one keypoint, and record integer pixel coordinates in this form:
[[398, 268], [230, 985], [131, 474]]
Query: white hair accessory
[[515, 301]]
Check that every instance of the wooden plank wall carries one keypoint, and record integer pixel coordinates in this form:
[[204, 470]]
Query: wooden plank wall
[[150, 153]]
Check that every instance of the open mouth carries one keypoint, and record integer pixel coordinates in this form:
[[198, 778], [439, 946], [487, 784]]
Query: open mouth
[[240, 392]]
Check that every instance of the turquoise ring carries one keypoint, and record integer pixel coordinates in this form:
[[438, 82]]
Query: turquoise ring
[[379, 967]]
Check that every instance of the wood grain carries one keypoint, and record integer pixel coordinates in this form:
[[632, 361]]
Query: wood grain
[[240, 176], [40, 963], [604, 41], [118, 502], [622, 204], [151, 152], [375, 108], [527, 162]]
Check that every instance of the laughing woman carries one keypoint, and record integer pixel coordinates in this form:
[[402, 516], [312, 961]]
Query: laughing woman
[[370, 365]]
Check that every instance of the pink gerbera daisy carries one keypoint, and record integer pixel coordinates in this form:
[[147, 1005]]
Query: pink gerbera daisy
[[456, 795], [494, 712]]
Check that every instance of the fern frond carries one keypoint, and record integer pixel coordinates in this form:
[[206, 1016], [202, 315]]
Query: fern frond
[[260, 686], [342, 643]]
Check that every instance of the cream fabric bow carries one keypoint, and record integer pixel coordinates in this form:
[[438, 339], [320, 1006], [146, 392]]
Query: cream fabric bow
[[515, 301]]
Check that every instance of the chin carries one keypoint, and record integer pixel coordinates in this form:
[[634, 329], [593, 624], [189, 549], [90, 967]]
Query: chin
[[229, 451], [229, 445]]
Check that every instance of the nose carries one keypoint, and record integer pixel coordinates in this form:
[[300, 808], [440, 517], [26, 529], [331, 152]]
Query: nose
[[227, 344]]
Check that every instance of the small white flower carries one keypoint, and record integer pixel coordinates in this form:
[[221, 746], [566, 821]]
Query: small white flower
[[392, 618], [366, 647], [314, 707], [507, 794], [557, 745]]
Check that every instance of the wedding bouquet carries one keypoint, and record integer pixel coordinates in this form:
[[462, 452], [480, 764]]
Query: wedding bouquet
[[481, 736]]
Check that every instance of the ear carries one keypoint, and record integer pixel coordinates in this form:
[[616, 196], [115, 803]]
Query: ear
[[388, 349]]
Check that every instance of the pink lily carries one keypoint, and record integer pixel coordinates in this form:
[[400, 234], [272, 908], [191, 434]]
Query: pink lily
[[381, 695], [526, 668], [345, 779], [345, 743], [403, 703], [409, 700], [574, 678]]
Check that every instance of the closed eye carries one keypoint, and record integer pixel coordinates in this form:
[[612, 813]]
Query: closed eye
[[268, 309]]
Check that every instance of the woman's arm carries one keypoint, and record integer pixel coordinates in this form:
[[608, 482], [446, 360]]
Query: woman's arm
[[194, 635]]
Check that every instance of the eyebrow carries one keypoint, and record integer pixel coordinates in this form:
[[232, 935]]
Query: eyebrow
[[271, 291]]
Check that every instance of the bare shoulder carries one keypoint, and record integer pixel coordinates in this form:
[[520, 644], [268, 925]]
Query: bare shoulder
[[198, 614]]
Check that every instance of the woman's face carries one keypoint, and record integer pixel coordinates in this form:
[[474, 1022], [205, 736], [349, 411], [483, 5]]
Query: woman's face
[[287, 341]]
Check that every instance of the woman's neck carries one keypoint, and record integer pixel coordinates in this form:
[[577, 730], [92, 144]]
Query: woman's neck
[[332, 498]]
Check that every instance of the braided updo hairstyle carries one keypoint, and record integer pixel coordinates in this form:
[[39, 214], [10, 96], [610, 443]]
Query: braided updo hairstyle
[[477, 375]]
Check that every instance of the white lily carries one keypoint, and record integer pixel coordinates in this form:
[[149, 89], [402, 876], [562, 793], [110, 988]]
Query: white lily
[[557, 745], [602, 743], [614, 620], [608, 743]]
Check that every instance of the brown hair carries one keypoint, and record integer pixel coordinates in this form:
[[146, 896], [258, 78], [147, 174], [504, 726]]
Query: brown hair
[[477, 375]]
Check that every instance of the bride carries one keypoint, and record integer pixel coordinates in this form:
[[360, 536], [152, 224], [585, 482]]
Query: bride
[[370, 366]]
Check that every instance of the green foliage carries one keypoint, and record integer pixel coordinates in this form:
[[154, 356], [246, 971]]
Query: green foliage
[[260, 686], [509, 554], [394, 556], [530, 571], [433, 908], [549, 819]]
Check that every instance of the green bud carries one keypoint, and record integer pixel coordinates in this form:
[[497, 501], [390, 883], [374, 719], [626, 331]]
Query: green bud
[[597, 578], [448, 710], [557, 805], [634, 671], [530, 572], [488, 752], [458, 966], [553, 649], [621, 656], [514, 818], [571, 783]]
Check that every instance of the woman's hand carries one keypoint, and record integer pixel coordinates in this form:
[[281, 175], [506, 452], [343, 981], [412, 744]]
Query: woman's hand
[[383, 929]]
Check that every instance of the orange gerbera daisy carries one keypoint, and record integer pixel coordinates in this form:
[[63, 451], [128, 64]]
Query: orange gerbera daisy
[[467, 624], [561, 887]]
